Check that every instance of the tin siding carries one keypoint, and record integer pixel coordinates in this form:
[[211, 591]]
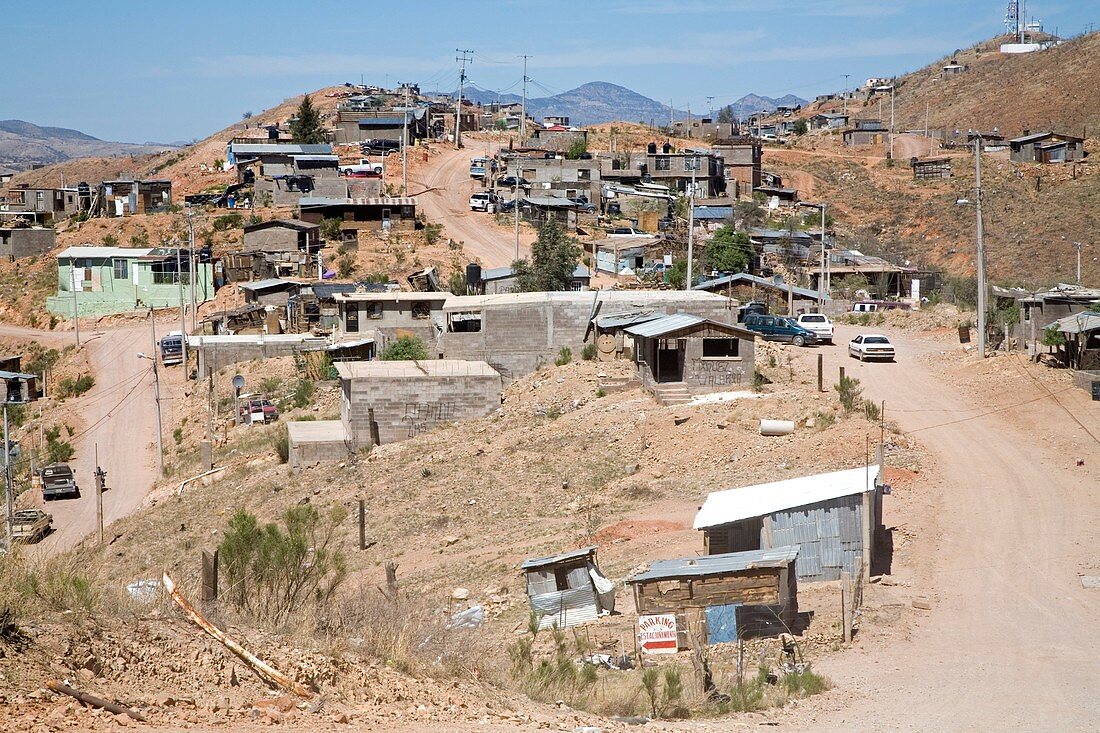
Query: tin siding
[[829, 534]]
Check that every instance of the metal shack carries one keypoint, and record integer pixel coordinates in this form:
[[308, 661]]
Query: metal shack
[[568, 589], [832, 517], [720, 598]]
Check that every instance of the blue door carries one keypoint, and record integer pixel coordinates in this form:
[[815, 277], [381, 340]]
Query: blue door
[[722, 623]]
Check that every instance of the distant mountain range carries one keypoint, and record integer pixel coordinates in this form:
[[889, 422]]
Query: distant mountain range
[[598, 102], [24, 144]]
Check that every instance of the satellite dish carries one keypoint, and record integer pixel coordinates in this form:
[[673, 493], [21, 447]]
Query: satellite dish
[[238, 381]]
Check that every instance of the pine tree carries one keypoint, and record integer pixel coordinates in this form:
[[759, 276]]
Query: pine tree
[[306, 127]]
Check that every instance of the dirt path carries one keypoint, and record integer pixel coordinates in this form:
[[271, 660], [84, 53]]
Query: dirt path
[[447, 201], [119, 417], [1010, 643]]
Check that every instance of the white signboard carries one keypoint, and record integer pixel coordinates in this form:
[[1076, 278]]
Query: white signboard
[[657, 634]]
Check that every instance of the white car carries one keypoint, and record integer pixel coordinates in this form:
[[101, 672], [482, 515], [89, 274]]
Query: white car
[[871, 346], [625, 232], [483, 201], [819, 323]]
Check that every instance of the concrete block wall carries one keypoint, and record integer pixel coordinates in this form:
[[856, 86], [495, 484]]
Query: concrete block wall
[[407, 406]]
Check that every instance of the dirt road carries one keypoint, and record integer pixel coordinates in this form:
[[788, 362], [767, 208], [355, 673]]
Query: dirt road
[[447, 202], [119, 417], [1008, 521]]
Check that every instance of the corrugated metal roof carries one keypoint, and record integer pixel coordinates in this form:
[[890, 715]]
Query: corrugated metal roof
[[271, 282], [730, 562], [744, 277], [665, 324], [104, 252], [621, 320], [378, 201], [731, 505], [276, 148], [1084, 322], [713, 212], [382, 122], [17, 375], [538, 562]]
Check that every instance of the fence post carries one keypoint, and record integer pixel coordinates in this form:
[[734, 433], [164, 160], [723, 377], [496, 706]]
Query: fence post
[[362, 524], [209, 576], [820, 366], [845, 611]]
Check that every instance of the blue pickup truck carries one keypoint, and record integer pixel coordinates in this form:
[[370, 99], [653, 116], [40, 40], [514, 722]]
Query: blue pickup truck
[[779, 328]]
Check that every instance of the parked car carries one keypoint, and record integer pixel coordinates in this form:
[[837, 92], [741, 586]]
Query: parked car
[[779, 328], [484, 201], [57, 480], [819, 323], [753, 307], [871, 346], [584, 205], [512, 182], [625, 232], [257, 410], [363, 168], [380, 146], [171, 348], [30, 525]]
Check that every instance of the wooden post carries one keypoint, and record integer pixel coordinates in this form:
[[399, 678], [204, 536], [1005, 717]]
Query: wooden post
[[842, 374], [820, 376], [100, 477], [373, 427], [391, 577], [845, 613], [209, 576], [362, 524]]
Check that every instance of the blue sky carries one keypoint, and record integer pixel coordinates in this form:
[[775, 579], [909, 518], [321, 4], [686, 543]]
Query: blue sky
[[141, 71]]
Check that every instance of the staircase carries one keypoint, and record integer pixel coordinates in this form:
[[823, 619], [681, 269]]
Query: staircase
[[672, 393]]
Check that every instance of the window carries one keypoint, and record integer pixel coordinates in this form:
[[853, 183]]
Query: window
[[422, 310], [720, 348], [662, 163], [693, 163], [584, 174], [351, 318], [122, 269], [469, 322], [165, 273], [374, 311]]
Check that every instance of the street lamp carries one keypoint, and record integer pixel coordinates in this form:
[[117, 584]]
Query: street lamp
[[156, 400], [821, 276]]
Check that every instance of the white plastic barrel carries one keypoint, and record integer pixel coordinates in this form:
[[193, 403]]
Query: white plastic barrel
[[776, 427]]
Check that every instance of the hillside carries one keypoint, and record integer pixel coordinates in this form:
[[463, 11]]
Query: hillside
[[23, 144], [1052, 89]]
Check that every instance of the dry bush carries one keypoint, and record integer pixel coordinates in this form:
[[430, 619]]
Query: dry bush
[[33, 588]]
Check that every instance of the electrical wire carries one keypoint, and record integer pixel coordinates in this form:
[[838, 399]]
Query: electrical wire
[[109, 412]]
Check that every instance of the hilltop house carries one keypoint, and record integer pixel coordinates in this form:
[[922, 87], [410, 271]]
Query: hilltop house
[[1046, 147], [673, 169], [17, 242], [829, 121], [126, 197], [865, 132], [741, 161], [43, 205], [97, 281], [359, 216]]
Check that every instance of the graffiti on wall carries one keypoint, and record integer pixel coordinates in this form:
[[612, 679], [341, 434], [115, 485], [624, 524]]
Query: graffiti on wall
[[420, 416], [713, 373]]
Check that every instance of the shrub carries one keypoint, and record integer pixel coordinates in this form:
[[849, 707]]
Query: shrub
[[268, 385], [824, 420], [432, 233], [805, 682], [848, 389], [405, 348], [227, 221], [281, 443], [271, 572], [565, 355], [1053, 337], [75, 387], [59, 585], [589, 352], [600, 392], [177, 435], [57, 450], [110, 240], [871, 410], [302, 394], [345, 266], [330, 228]]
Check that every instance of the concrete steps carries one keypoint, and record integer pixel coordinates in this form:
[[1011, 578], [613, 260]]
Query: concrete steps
[[672, 393]]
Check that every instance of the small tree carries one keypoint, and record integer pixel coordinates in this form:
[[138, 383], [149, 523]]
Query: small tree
[[306, 127], [677, 274], [554, 257], [330, 229], [729, 250], [800, 127], [848, 389], [405, 348], [725, 115], [577, 148]]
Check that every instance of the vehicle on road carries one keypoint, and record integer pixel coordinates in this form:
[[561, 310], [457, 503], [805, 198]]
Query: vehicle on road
[[484, 201], [819, 323], [30, 525], [380, 146], [171, 348], [585, 205], [874, 306], [57, 480], [625, 232], [513, 181], [364, 168], [779, 328], [871, 346], [753, 307], [478, 167], [258, 411]]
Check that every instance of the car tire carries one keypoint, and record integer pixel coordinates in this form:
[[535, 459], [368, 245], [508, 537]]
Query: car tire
[[798, 341], [347, 171], [861, 356]]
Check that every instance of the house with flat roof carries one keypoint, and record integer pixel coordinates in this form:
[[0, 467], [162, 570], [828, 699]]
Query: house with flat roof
[[98, 281], [865, 132], [1046, 147], [42, 205], [833, 518], [360, 217], [19, 242], [829, 121], [127, 197], [388, 315]]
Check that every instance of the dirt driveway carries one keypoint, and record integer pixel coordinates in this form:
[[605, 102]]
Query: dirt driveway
[[1006, 522], [447, 201]]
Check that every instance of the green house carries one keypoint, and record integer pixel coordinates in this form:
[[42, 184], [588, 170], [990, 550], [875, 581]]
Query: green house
[[99, 281]]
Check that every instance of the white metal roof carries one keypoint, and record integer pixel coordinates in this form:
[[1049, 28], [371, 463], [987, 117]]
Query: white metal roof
[[91, 252], [731, 505]]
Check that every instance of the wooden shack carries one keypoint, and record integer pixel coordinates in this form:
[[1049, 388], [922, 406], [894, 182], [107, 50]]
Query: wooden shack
[[568, 589], [720, 598]]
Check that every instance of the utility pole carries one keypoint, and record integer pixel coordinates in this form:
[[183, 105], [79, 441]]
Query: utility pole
[[523, 114], [183, 310], [72, 287], [405, 147], [981, 244], [691, 221], [891, 122], [156, 394], [100, 480], [9, 492], [190, 256], [845, 95], [1078, 246], [515, 202], [710, 104], [670, 117], [463, 57]]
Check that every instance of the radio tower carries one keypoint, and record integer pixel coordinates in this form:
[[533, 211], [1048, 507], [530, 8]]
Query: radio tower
[[1014, 19]]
